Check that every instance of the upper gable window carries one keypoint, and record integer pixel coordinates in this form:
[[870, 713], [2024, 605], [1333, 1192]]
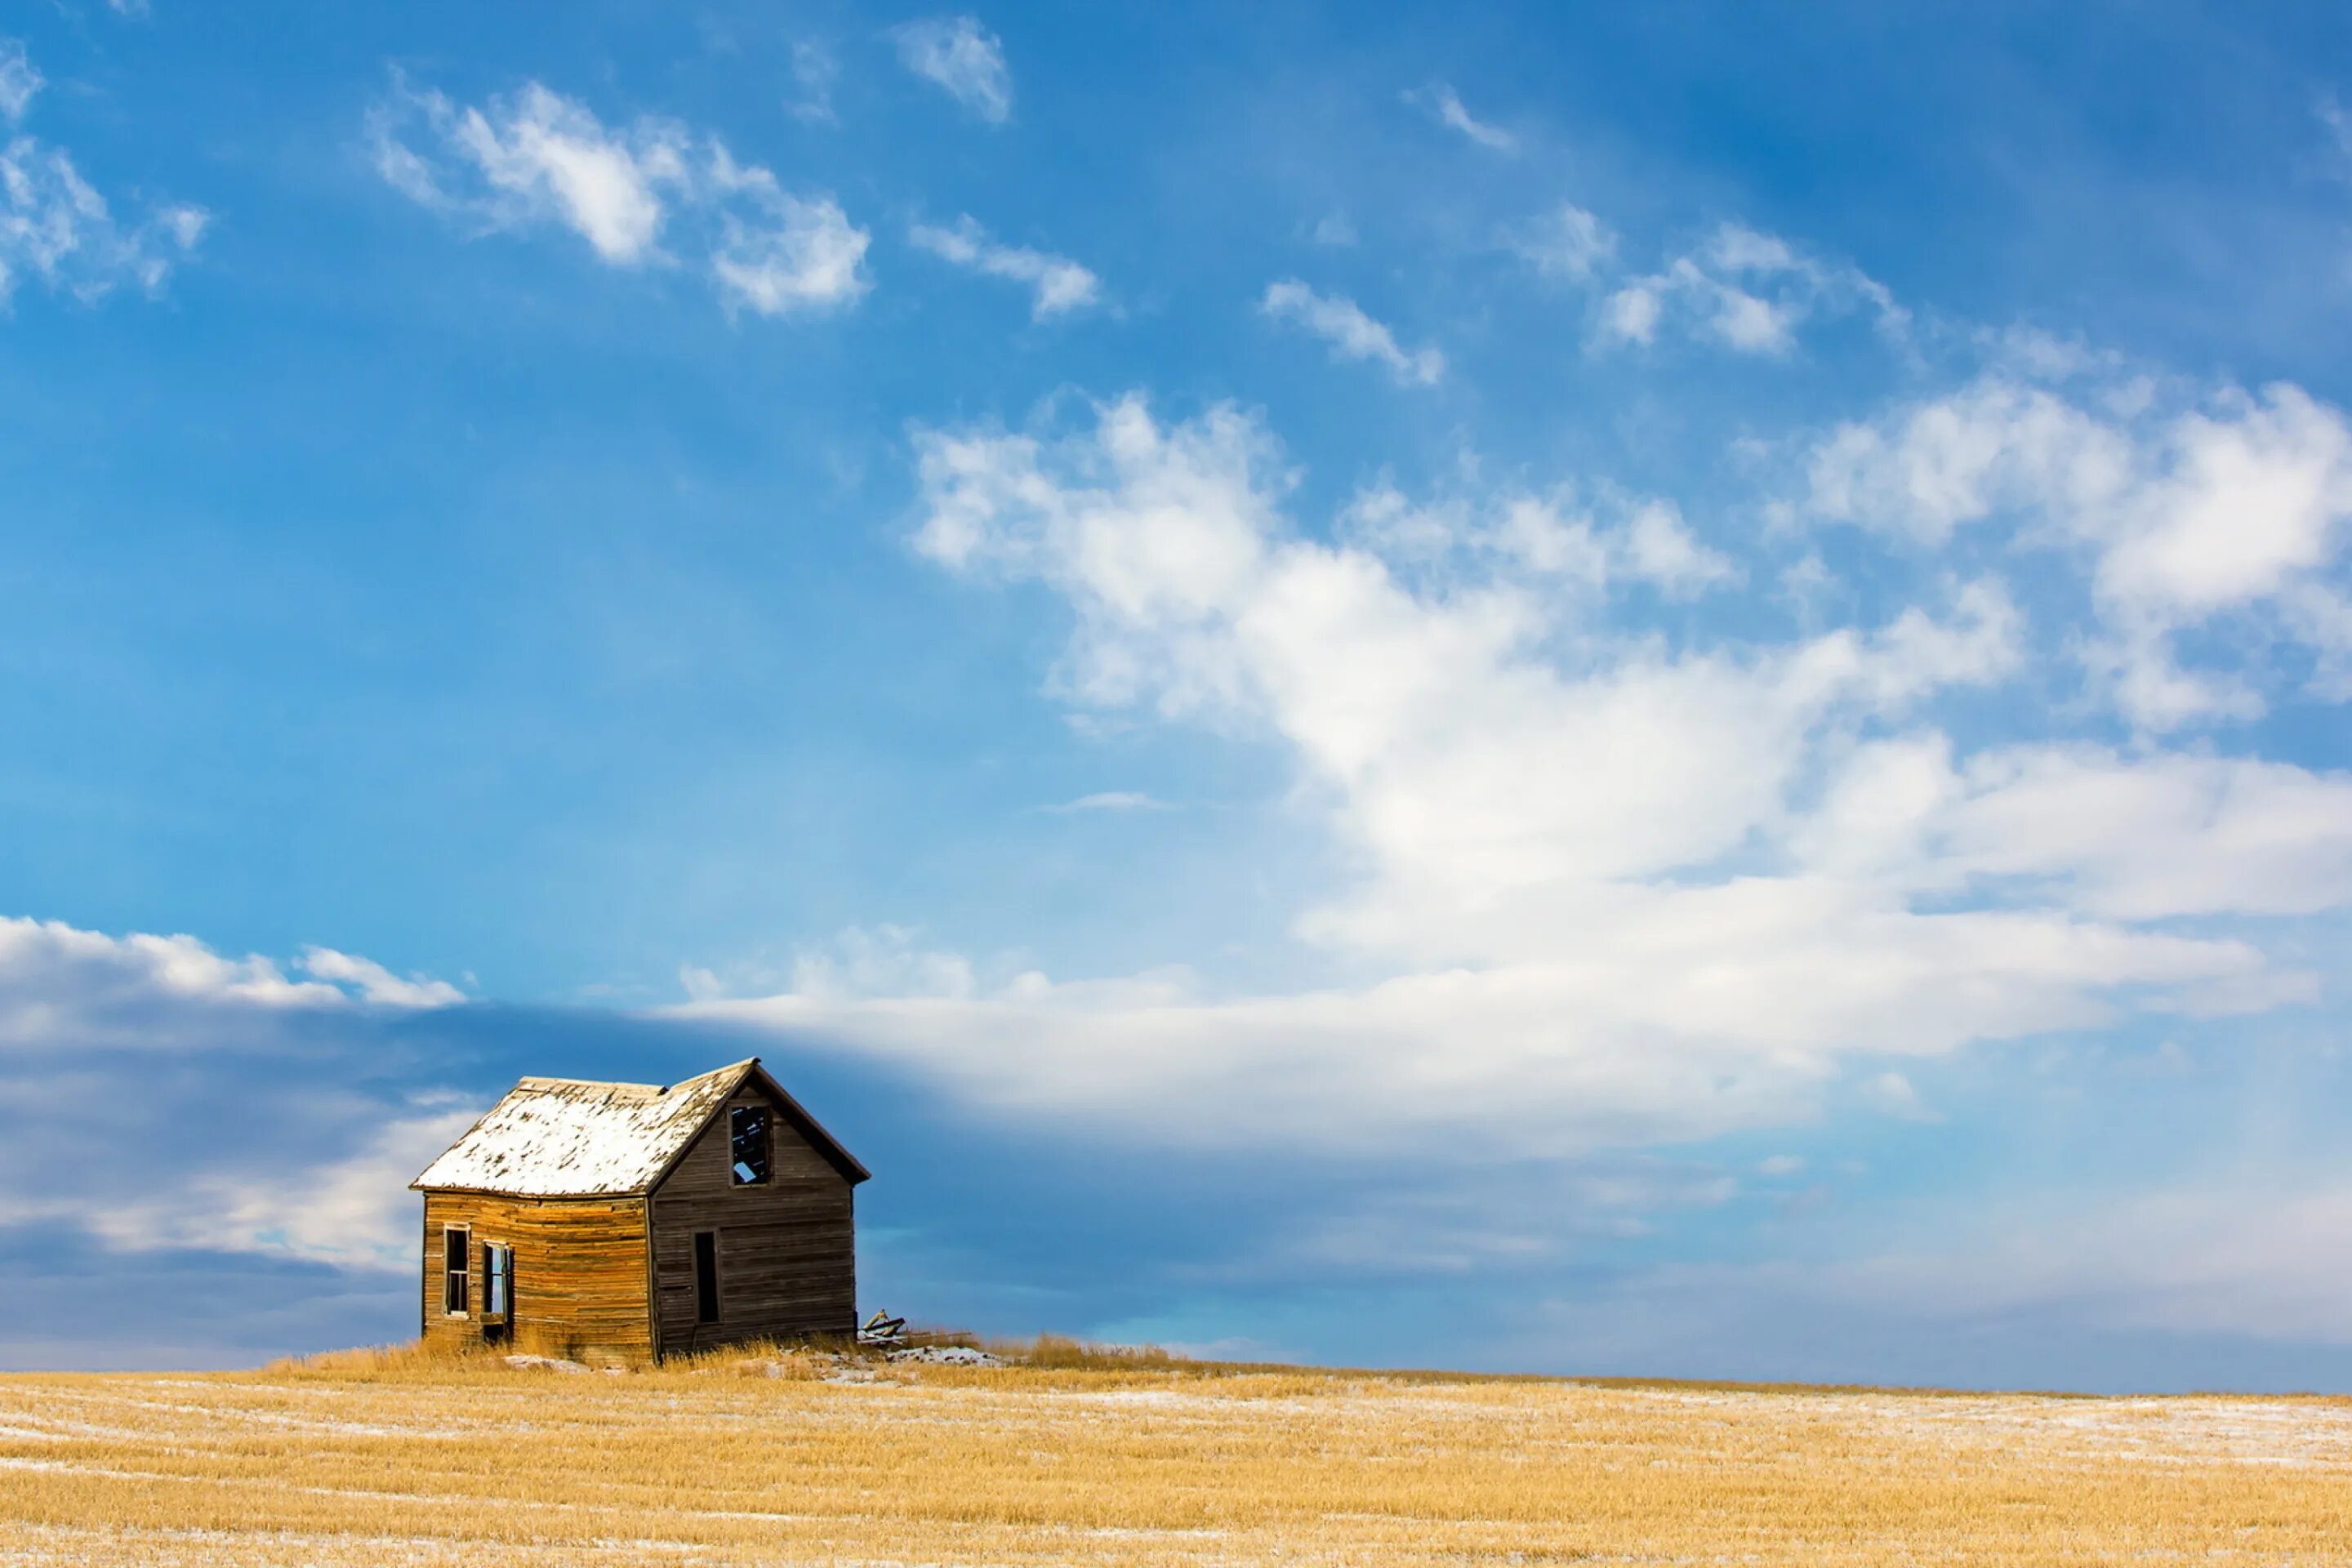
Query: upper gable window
[[747, 1131]]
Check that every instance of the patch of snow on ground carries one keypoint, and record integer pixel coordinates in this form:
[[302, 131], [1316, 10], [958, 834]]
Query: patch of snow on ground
[[947, 1355]]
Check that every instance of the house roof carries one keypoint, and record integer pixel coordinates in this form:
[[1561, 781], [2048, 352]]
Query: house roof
[[568, 1138]]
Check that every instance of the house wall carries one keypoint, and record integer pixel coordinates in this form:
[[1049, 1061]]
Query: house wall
[[578, 1272], [787, 1249]]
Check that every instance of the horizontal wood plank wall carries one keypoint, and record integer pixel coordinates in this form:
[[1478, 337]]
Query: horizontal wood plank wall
[[787, 1249], [579, 1270]]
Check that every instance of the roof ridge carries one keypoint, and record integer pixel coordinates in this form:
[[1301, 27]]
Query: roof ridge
[[550, 1137]]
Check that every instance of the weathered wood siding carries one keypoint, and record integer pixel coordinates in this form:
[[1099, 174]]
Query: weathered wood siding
[[787, 1248], [579, 1272]]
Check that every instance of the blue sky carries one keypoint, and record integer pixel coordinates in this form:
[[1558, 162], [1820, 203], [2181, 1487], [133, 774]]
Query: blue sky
[[1650, 689]]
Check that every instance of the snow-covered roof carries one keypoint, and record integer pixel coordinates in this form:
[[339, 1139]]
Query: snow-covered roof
[[565, 1138]]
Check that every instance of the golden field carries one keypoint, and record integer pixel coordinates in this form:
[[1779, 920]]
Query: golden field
[[359, 1461]]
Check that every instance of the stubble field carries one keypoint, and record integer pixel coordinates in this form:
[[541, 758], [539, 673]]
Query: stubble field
[[805, 1460]]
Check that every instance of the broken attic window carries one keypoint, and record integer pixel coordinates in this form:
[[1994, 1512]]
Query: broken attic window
[[748, 1126]]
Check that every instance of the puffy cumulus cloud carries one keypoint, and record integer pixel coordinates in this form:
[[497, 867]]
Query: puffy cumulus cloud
[[1602, 889], [323, 1153], [1057, 284], [963, 59], [1744, 290], [1352, 334], [2226, 507], [57, 228], [62, 986], [777, 253], [537, 157]]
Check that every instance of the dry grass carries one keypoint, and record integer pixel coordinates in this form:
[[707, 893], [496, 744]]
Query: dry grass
[[388, 1457]]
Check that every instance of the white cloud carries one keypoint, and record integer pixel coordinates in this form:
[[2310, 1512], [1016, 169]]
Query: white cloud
[[961, 57], [1445, 106], [1568, 242], [1632, 314], [57, 228], [2132, 839], [779, 254], [20, 82], [541, 157], [538, 157], [60, 983], [1748, 291], [1660, 549], [1352, 334], [377, 984], [1058, 285], [1551, 539], [2234, 506], [1604, 891]]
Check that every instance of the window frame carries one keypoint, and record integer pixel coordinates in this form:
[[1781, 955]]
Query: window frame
[[708, 1295], [498, 1280], [457, 1270], [767, 1168]]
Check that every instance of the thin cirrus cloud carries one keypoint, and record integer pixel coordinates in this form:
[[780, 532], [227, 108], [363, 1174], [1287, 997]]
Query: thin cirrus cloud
[[1058, 285], [20, 82], [633, 192], [814, 72], [1341, 323], [57, 228], [1112, 800], [962, 59], [1445, 105], [1568, 242]]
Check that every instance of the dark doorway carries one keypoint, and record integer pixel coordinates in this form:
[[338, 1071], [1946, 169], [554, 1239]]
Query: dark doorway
[[706, 1276], [498, 1293]]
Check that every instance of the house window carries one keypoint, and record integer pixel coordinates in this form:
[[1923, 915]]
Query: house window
[[497, 1280], [457, 1255], [706, 1276], [748, 1125]]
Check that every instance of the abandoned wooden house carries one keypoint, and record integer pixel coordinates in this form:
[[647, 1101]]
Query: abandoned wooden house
[[639, 1220]]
